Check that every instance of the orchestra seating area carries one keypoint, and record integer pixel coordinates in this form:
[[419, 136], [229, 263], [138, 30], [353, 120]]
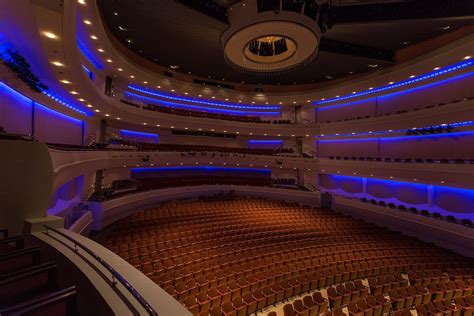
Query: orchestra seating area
[[202, 114], [243, 256], [200, 148], [28, 281]]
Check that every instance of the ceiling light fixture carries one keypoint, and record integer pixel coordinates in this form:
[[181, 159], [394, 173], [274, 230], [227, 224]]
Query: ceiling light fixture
[[57, 63], [87, 22], [50, 35]]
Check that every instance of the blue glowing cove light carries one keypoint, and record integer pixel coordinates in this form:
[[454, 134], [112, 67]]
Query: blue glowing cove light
[[430, 75], [206, 102], [132, 134], [88, 55], [195, 107]]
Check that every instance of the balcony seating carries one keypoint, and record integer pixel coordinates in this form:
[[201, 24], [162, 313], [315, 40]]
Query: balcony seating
[[405, 160], [203, 114], [396, 112], [240, 256], [199, 148], [435, 215]]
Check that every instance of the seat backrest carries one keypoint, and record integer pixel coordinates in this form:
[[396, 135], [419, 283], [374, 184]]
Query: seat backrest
[[308, 301], [227, 307], [298, 305], [288, 310]]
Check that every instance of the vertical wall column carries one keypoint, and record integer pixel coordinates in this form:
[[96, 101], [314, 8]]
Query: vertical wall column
[[102, 131]]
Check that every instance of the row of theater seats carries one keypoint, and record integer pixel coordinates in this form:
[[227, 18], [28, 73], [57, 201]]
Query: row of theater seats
[[449, 218], [405, 160], [237, 257], [28, 282], [397, 112], [393, 295], [202, 114], [181, 147], [141, 185]]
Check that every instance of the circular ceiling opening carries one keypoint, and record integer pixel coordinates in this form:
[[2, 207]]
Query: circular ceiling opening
[[270, 49]]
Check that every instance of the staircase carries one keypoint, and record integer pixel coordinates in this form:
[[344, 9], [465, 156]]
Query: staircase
[[28, 283]]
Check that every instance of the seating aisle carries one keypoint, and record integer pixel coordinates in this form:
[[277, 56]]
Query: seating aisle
[[244, 256]]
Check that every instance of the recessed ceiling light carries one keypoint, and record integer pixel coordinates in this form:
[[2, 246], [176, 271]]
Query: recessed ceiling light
[[447, 27], [50, 35], [145, 82], [119, 69], [89, 105], [172, 90], [66, 82], [87, 22], [354, 92], [436, 68], [109, 60], [174, 66], [371, 88], [144, 123], [94, 37], [158, 125], [467, 57], [74, 92], [107, 114], [213, 97], [81, 2], [81, 100], [406, 42], [115, 13], [100, 50], [118, 118], [373, 65], [97, 110], [329, 77], [132, 76], [129, 41], [308, 101], [121, 28], [159, 87], [200, 95], [57, 63], [391, 82]]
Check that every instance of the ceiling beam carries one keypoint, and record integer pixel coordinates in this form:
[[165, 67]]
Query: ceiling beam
[[345, 48], [419, 9]]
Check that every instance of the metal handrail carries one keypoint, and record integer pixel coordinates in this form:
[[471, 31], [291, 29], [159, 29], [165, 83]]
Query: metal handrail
[[115, 274]]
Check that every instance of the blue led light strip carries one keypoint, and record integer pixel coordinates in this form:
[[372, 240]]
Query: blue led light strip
[[195, 107], [219, 104], [88, 55], [457, 124], [433, 74], [12, 91], [135, 133], [62, 102]]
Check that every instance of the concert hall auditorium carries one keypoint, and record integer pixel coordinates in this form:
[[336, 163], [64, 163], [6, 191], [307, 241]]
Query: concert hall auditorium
[[236, 157]]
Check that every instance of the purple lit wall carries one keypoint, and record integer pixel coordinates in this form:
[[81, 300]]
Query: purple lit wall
[[446, 200], [446, 146], [21, 115], [443, 92]]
